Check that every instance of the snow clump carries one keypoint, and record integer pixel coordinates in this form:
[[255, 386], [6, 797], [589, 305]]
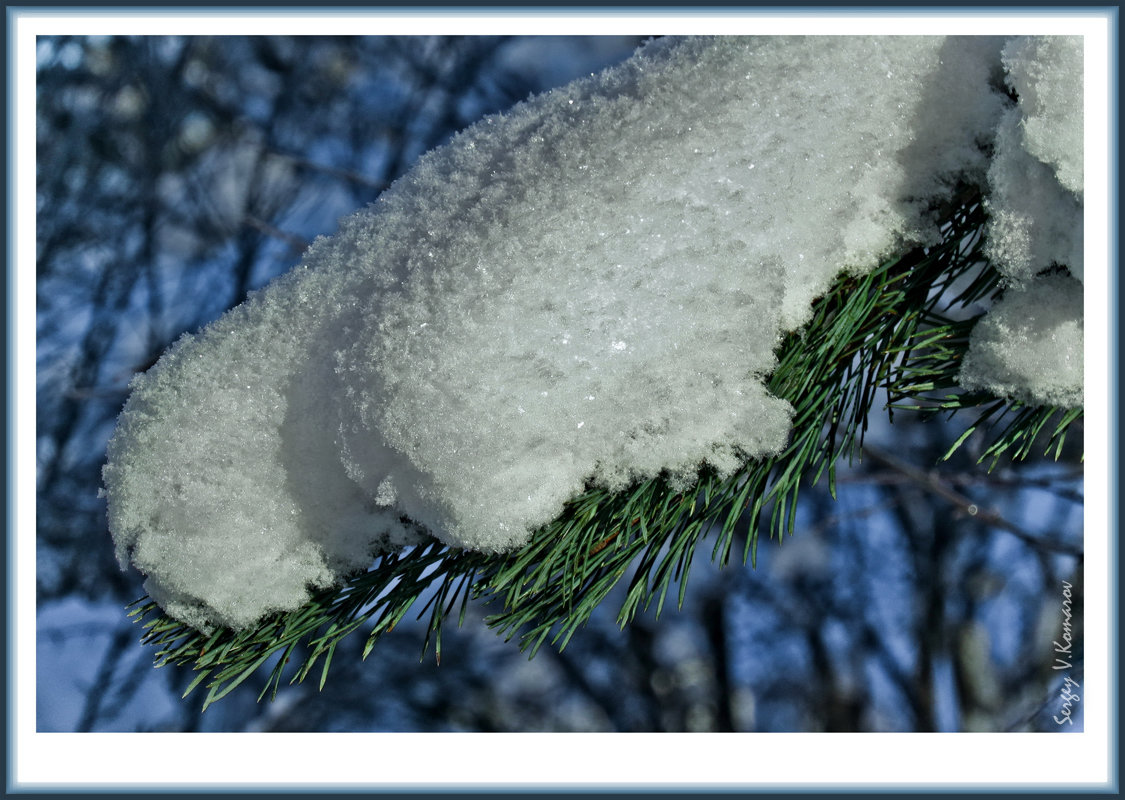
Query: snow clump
[[1029, 346], [1035, 180], [1035, 202], [586, 289], [1046, 72], [223, 480]]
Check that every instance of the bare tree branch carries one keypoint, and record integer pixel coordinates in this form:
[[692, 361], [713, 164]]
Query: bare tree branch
[[936, 484]]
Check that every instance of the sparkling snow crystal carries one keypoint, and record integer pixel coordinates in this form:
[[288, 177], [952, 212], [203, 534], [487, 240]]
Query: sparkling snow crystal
[[588, 288]]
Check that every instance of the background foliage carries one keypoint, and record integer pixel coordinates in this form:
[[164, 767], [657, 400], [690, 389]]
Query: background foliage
[[177, 174]]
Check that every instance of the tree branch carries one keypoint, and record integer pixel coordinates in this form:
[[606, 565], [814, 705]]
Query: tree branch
[[934, 484]]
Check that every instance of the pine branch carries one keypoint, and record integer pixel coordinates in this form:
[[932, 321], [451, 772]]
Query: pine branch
[[889, 329]]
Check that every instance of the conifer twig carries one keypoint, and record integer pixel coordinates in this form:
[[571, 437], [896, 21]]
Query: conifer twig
[[887, 329]]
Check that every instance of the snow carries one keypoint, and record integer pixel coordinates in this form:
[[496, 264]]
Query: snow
[[1029, 346], [1046, 73], [223, 483], [585, 290], [1036, 175], [1034, 222], [1020, 350]]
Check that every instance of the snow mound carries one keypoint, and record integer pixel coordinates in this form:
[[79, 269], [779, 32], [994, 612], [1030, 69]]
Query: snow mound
[[1019, 351], [1029, 346], [1036, 175], [600, 291], [1046, 73], [1034, 222], [587, 289], [224, 488]]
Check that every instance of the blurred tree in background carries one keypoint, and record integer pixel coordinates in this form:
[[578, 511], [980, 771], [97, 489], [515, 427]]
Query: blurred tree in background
[[177, 174]]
